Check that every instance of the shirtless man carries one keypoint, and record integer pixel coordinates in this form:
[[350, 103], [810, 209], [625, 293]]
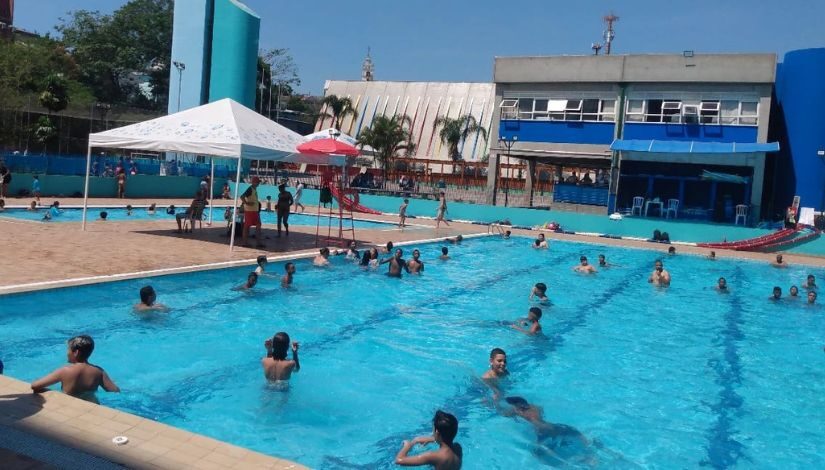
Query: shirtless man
[[540, 242], [659, 277], [416, 265], [779, 263], [147, 301], [276, 366], [584, 266], [811, 297], [80, 378], [776, 294], [286, 280], [722, 286], [498, 370], [445, 254], [449, 453], [352, 251], [397, 263], [322, 259], [810, 282]]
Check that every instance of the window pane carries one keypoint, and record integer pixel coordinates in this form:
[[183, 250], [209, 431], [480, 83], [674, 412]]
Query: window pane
[[590, 110], [609, 106], [749, 108], [574, 105], [525, 105], [635, 106], [748, 121], [654, 111], [729, 111], [541, 105]]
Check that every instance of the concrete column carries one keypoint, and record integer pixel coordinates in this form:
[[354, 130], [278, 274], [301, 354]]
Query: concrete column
[[529, 179], [755, 210], [492, 178]]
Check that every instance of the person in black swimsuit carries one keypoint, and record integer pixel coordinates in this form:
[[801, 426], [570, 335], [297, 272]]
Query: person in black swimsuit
[[285, 201]]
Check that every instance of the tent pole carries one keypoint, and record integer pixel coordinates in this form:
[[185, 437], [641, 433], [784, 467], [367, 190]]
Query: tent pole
[[86, 184], [211, 187], [235, 206]]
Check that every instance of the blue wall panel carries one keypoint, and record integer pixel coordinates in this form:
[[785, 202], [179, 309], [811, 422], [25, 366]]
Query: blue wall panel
[[234, 53], [697, 132], [558, 131], [191, 37]]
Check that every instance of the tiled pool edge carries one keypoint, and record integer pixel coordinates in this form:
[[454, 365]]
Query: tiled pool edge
[[90, 428]]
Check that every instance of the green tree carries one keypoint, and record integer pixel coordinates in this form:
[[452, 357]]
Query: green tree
[[456, 130], [338, 109], [44, 131], [278, 73], [55, 97], [135, 38], [387, 136]]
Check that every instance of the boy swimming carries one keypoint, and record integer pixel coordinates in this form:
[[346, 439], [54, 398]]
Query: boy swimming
[[286, 280], [80, 378], [148, 296], [533, 317], [449, 453], [539, 291], [445, 254], [416, 266], [497, 371], [251, 280], [276, 367]]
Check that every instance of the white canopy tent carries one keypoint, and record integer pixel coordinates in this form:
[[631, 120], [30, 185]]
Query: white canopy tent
[[224, 129]]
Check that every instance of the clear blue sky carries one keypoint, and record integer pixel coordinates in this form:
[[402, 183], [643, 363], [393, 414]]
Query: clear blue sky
[[456, 40]]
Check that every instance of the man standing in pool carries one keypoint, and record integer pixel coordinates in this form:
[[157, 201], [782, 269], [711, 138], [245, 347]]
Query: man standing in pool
[[659, 277], [276, 367], [810, 282], [449, 453], [147, 301], [397, 263], [286, 280], [811, 297], [251, 212], [540, 242], [584, 267], [776, 294], [80, 378], [779, 263], [722, 286], [416, 265]]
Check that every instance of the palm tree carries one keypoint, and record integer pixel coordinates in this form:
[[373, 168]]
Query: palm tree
[[338, 109], [387, 136], [455, 131]]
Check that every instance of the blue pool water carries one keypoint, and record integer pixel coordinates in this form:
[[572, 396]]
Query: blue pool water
[[662, 378], [119, 214]]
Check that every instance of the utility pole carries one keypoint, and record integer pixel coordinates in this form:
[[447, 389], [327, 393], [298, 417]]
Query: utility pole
[[181, 67], [596, 48], [609, 34]]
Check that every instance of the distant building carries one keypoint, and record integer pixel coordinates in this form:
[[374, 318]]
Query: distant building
[[7, 12], [367, 68], [214, 53]]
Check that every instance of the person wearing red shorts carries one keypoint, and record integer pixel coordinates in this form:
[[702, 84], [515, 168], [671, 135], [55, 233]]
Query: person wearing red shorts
[[251, 211]]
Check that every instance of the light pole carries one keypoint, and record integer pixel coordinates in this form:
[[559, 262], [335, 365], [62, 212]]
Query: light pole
[[181, 67], [508, 143]]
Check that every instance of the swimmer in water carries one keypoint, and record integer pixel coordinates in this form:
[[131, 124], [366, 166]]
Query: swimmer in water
[[416, 265], [777, 294], [540, 242], [80, 378], [531, 325], [370, 258], [286, 280], [445, 254], [793, 292], [260, 270], [722, 286], [810, 282], [498, 370], [396, 264], [276, 366], [352, 251], [148, 296], [151, 209], [560, 444], [103, 216], [584, 266], [506, 235], [322, 259], [779, 263], [449, 454], [539, 292], [128, 209], [251, 280], [659, 277], [712, 256], [388, 248], [671, 251], [455, 240], [811, 297], [603, 262]]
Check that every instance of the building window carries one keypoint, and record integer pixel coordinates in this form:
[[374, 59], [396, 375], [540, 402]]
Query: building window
[[509, 109], [573, 110], [729, 112], [693, 111], [749, 113], [635, 110], [525, 108], [654, 111], [709, 112], [590, 110], [671, 111], [608, 110], [542, 109]]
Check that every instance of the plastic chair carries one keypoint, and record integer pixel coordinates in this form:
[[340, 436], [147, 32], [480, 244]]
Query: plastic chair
[[741, 211], [638, 202], [672, 206]]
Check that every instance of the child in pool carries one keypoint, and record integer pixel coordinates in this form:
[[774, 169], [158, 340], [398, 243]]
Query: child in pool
[[276, 366]]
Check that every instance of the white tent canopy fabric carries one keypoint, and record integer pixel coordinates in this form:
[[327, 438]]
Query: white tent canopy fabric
[[224, 128], [331, 133]]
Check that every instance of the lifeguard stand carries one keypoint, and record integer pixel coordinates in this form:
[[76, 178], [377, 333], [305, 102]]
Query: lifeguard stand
[[342, 232]]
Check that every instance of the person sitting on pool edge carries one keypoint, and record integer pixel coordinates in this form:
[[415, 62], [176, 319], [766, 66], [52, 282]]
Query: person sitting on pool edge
[[286, 280], [445, 254], [722, 286], [584, 266], [498, 370], [540, 242], [810, 282], [779, 263], [148, 296], [449, 454], [251, 280], [559, 443], [416, 265], [659, 276], [777, 294], [811, 297], [533, 317], [276, 367], [396, 264], [539, 291], [322, 259], [80, 378], [793, 292]]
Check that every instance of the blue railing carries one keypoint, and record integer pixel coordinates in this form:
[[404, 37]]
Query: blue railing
[[75, 165], [574, 194]]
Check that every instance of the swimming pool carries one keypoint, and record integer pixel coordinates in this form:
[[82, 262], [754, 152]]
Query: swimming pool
[[119, 215], [672, 378]]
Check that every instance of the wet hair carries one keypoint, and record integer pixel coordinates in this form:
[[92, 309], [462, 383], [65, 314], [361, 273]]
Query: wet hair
[[496, 351], [672, 249], [811, 276], [812, 293], [777, 288], [416, 251], [723, 279], [146, 292], [518, 402], [399, 251], [583, 258], [261, 259], [444, 250], [536, 311], [84, 345], [389, 246], [793, 288], [446, 425], [657, 235], [287, 266], [542, 287], [325, 251], [128, 207], [365, 258], [252, 275], [104, 214], [280, 345]]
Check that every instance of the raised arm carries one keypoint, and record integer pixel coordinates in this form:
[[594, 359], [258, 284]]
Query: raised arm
[[41, 385], [295, 356]]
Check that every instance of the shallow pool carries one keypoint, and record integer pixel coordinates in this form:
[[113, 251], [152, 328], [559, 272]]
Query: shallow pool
[[119, 215], [663, 378]]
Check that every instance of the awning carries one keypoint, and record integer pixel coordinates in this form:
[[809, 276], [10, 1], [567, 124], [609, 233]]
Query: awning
[[676, 146]]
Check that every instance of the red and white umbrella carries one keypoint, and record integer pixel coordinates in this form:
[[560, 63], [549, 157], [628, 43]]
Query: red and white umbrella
[[328, 147]]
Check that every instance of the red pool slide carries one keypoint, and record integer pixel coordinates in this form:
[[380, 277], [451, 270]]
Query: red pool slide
[[350, 201], [780, 239]]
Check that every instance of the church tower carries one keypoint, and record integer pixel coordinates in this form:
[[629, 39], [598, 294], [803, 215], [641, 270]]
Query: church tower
[[368, 69]]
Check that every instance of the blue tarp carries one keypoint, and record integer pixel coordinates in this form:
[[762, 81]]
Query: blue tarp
[[677, 146]]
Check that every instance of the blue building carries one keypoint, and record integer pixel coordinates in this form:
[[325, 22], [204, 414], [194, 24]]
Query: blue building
[[214, 53], [687, 127]]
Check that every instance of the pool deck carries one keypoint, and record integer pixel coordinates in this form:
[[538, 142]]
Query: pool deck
[[39, 255]]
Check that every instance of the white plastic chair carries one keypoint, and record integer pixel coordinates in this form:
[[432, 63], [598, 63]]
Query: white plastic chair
[[672, 206], [741, 211], [638, 202]]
